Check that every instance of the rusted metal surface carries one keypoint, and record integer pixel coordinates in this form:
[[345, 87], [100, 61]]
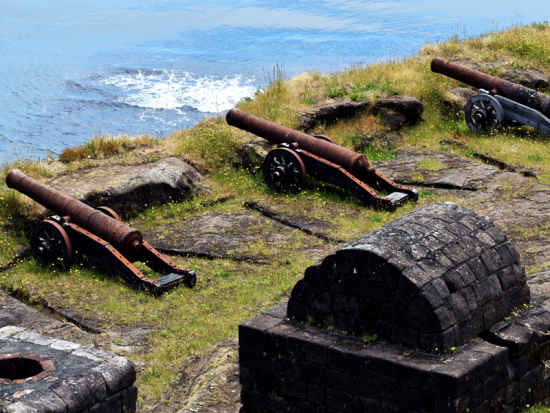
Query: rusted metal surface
[[123, 237], [496, 85], [354, 163]]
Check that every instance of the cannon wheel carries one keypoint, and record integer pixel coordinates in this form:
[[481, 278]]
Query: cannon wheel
[[50, 245], [484, 114], [284, 171], [109, 212]]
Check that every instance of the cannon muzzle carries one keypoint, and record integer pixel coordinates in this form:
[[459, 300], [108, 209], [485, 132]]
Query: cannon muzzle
[[123, 237], [520, 94]]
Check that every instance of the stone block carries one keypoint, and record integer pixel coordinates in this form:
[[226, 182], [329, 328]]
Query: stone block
[[385, 393], [378, 363], [251, 332], [445, 404], [331, 378], [301, 348], [478, 269], [415, 371], [507, 277], [511, 392], [527, 382], [482, 362], [437, 321], [409, 399], [458, 305], [254, 360], [438, 342], [358, 386], [343, 356], [477, 395], [110, 405], [339, 400], [490, 387], [81, 392], [364, 405], [518, 367], [316, 394], [275, 339], [315, 279], [454, 379], [44, 401], [294, 389], [302, 293]]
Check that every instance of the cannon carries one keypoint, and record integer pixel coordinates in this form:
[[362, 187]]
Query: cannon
[[498, 101], [284, 169], [97, 233]]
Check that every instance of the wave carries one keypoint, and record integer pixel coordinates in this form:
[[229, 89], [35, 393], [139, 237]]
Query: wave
[[168, 89]]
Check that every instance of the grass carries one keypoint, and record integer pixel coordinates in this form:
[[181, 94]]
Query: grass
[[101, 146], [186, 322]]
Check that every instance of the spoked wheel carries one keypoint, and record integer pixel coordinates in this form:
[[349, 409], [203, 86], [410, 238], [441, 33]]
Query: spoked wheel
[[109, 212], [484, 114], [50, 245], [284, 171], [326, 138]]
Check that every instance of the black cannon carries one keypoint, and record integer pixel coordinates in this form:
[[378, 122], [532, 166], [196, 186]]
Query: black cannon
[[98, 233], [284, 168], [498, 100]]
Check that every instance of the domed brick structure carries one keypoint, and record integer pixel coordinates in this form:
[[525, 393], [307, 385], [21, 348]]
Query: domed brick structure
[[433, 279], [430, 313]]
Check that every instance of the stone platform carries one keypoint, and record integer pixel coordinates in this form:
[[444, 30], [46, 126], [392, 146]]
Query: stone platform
[[429, 313], [41, 374]]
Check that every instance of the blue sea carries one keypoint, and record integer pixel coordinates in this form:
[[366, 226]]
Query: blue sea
[[73, 68]]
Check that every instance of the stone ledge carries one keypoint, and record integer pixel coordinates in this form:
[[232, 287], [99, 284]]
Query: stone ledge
[[78, 378]]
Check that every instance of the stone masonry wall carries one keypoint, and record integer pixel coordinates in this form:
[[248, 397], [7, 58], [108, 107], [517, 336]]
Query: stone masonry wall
[[428, 313], [292, 367]]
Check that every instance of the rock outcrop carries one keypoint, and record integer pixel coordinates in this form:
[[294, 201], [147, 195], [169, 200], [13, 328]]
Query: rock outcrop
[[127, 189]]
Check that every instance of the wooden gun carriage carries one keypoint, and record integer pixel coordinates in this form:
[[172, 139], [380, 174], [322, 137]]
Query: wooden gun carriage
[[284, 169], [498, 100], [97, 233]]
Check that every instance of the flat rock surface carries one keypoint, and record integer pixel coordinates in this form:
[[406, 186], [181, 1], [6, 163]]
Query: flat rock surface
[[128, 188], [332, 112], [243, 236], [307, 224], [439, 169], [14, 313]]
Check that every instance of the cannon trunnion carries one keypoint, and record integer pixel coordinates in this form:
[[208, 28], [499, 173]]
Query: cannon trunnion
[[498, 100], [285, 169], [99, 234]]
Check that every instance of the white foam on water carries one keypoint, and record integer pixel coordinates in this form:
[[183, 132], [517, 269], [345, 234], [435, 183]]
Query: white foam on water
[[164, 89]]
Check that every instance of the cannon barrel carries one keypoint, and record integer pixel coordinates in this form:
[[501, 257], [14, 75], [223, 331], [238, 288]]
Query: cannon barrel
[[510, 90], [354, 163], [123, 237]]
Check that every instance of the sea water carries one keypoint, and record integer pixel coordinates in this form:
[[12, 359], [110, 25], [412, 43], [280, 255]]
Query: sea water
[[73, 68]]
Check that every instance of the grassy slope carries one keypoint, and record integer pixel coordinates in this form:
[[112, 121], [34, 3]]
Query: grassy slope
[[188, 321]]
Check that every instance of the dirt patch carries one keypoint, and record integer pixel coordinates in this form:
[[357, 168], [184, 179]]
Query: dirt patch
[[207, 384]]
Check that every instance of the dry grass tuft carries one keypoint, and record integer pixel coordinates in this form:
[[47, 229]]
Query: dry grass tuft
[[102, 146]]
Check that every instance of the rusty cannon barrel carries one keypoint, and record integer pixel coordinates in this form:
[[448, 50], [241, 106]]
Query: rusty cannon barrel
[[496, 85], [356, 164], [123, 237]]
